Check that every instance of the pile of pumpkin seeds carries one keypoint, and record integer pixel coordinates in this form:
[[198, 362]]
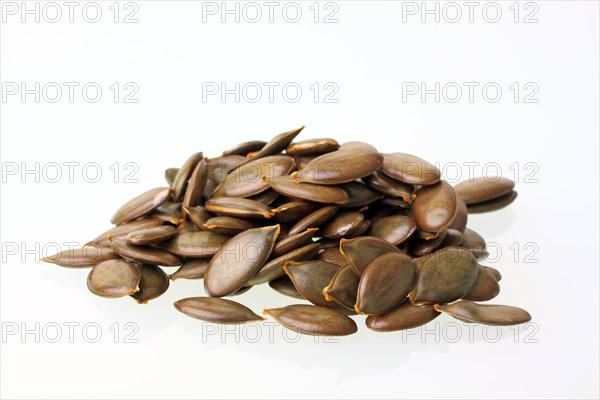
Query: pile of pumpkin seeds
[[350, 229]]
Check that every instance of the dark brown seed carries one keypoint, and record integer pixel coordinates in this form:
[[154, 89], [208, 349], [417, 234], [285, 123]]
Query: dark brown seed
[[302, 161], [313, 320], [293, 242], [312, 147], [359, 231], [426, 235], [310, 278], [421, 247], [340, 167], [308, 191], [144, 254], [315, 219], [220, 311], [198, 215], [485, 288], [489, 314], [285, 286], [406, 316], [121, 231], [434, 207], [410, 169], [240, 291], [391, 187], [473, 242], [362, 251], [153, 283], [114, 278], [333, 255], [219, 167], [195, 187], [228, 225], [358, 147], [238, 207], [196, 244], [246, 181], [267, 197], [446, 276], [452, 238], [385, 284], [396, 202], [168, 212], [274, 268], [395, 229], [277, 144], [495, 273], [294, 211], [191, 269], [186, 227], [184, 173], [239, 260], [343, 288], [244, 148], [359, 194], [158, 234], [141, 205], [81, 258], [462, 215], [482, 189], [170, 174], [342, 225], [492, 205]]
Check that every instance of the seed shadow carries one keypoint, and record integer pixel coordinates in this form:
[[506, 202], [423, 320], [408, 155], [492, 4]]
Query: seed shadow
[[493, 224]]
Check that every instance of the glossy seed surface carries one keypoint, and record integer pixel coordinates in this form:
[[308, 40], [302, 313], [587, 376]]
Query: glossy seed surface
[[489, 314], [406, 316], [213, 309], [141, 205], [114, 278], [313, 320]]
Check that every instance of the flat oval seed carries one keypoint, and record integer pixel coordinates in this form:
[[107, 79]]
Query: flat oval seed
[[482, 189], [267, 197], [359, 231], [391, 187], [219, 167], [220, 311], [308, 191], [486, 286], [141, 205], [362, 251], [462, 215], [239, 259], [302, 161], [489, 314], [196, 244], [473, 242], [144, 254], [196, 184], [421, 247], [495, 273], [444, 277], [81, 258], [434, 207], [168, 212], [406, 316], [170, 174], [452, 238], [285, 286], [385, 284], [238, 207], [293, 242], [343, 288], [359, 194], [333, 255], [186, 227], [158, 234], [228, 225], [410, 169], [342, 225], [356, 147], [294, 211], [277, 144], [310, 278], [153, 283], [274, 268], [121, 231], [312, 146], [313, 320], [184, 173], [340, 167], [492, 205], [315, 219], [114, 278], [395, 229], [244, 148], [198, 215], [191, 269]]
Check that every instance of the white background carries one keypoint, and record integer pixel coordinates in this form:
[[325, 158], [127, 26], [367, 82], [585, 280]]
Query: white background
[[368, 54]]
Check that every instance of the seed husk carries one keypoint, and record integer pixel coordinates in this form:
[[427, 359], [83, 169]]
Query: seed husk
[[274, 268], [244, 148], [313, 320], [315, 219], [196, 184], [333, 255], [121, 231], [228, 225], [362, 251], [153, 283], [359, 194], [141, 205], [213, 309], [183, 175], [239, 259], [170, 174], [342, 225], [238, 207], [198, 215], [308, 191], [391, 187], [434, 207], [360, 230], [310, 278], [277, 144], [462, 215], [294, 211], [421, 247], [410, 169], [340, 167], [191, 269], [114, 278], [168, 212], [395, 229], [285, 286], [492, 205], [144, 254], [293, 242], [482, 189], [81, 258], [445, 277], [312, 147], [452, 238], [486, 286], [473, 242], [157, 234], [196, 244], [406, 316], [343, 288], [489, 314], [385, 284]]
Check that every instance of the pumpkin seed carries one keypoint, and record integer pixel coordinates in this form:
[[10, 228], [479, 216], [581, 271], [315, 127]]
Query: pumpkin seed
[[144, 254], [313, 320], [492, 205], [213, 309], [141, 205], [168, 212], [340, 167], [406, 316], [293, 242], [198, 215], [238, 207], [395, 229], [153, 283], [315, 219], [191, 269], [462, 215], [312, 147], [421, 247], [452, 238], [121, 231], [183, 175], [146, 236], [362, 251], [277, 144], [274, 268], [391, 187], [244, 148], [359, 194], [293, 211], [308, 191], [489, 314], [485, 288], [409, 169], [359, 231], [482, 189], [343, 288], [473, 242], [342, 225], [228, 225], [333, 255], [195, 186], [285, 286], [310, 278], [434, 207], [170, 174], [81, 258], [114, 278], [196, 244], [267, 197]]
